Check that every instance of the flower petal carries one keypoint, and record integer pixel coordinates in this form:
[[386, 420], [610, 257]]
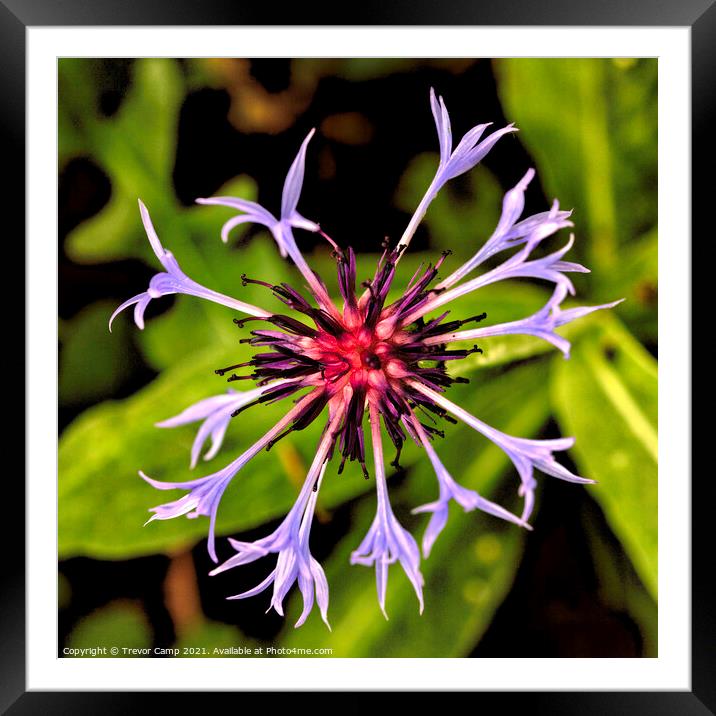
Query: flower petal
[[294, 180]]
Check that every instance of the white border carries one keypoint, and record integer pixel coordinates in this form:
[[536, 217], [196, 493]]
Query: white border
[[671, 670]]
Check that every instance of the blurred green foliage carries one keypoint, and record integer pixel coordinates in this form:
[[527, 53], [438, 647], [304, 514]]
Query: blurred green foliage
[[119, 624], [591, 127], [208, 636], [454, 219], [590, 124], [617, 443], [81, 380]]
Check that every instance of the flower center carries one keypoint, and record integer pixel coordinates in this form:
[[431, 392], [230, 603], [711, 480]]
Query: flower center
[[366, 355], [353, 356], [371, 360]]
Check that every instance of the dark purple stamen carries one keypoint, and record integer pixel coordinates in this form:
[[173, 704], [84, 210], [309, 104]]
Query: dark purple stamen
[[336, 358]]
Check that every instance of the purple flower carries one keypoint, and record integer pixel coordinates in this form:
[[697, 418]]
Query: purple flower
[[205, 493], [468, 154], [281, 229], [174, 280], [469, 500], [386, 541], [216, 412], [550, 268], [290, 542], [255, 213], [525, 454], [367, 359], [469, 151], [509, 232], [541, 324]]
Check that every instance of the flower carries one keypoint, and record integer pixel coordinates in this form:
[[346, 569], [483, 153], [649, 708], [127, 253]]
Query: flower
[[450, 490], [290, 542], [367, 359], [205, 493], [281, 229], [386, 541], [174, 280], [216, 413], [541, 324]]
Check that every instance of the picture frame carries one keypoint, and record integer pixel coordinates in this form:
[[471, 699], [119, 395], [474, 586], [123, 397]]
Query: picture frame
[[16, 17]]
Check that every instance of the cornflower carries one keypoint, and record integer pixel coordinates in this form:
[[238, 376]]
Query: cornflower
[[367, 362]]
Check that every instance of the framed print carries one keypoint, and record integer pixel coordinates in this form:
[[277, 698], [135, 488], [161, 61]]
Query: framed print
[[357, 355]]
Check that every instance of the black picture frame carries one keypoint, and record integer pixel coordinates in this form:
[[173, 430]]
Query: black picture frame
[[699, 15]]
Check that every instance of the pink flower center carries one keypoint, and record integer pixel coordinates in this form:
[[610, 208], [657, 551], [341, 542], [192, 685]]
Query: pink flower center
[[366, 355], [359, 358]]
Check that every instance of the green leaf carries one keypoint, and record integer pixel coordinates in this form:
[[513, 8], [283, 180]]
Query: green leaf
[[473, 562], [93, 362], [103, 502], [78, 104], [121, 624], [635, 279], [600, 158], [108, 234], [200, 641], [149, 115], [135, 148], [606, 397], [64, 591], [619, 587]]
